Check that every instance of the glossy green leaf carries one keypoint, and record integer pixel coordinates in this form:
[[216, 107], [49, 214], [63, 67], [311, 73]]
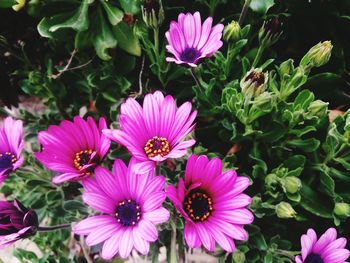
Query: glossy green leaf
[[313, 203], [114, 14], [127, 39], [307, 145], [7, 3], [130, 6]]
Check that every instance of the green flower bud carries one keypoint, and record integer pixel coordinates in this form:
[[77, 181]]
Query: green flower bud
[[152, 13], [238, 257], [318, 108], [287, 67], [291, 184], [254, 82], [270, 32], [285, 210], [271, 179], [342, 210], [318, 55], [232, 32]]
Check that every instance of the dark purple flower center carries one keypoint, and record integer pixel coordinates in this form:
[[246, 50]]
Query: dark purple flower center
[[6, 160], [273, 26], [157, 146], [256, 77], [198, 205], [190, 55], [128, 213], [313, 258]]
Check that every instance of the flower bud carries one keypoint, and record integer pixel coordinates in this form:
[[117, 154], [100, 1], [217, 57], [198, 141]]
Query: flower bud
[[291, 184], [287, 67], [318, 55], [270, 32], [342, 210], [152, 13], [318, 108], [20, 4], [16, 222], [232, 32], [254, 82], [285, 210]]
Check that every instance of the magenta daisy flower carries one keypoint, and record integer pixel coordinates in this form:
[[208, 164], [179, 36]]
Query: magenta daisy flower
[[73, 148], [131, 205], [327, 249], [16, 222], [11, 146], [189, 40], [212, 203], [154, 132]]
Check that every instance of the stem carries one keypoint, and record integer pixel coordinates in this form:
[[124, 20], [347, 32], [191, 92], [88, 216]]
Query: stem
[[156, 42], [285, 253], [258, 56], [52, 228], [193, 73], [173, 256], [155, 253], [244, 12], [229, 58]]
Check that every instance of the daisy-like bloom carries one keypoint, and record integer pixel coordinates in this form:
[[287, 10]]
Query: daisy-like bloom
[[73, 148], [327, 249], [131, 205], [212, 203], [11, 146], [154, 132], [189, 40], [16, 222]]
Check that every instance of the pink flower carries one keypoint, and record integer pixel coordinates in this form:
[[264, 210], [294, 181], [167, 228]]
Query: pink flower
[[11, 146], [190, 40], [212, 203], [73, 148], [154, 132], [131, 205], [327, 249]]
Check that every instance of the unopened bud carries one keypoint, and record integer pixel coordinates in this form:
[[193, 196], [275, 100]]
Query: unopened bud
[[152, 13], [291, 184], [232, 32], [254, 83], [318, 55], [342, 210], [285, 210], [318, 108], [270, 32]]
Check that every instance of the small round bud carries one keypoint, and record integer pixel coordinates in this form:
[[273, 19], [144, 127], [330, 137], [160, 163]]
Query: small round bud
[[238, 256], [285, 210], [318, 55], [232, 32], [270, 32], [291, 184], [342, 210], [152, 13], [254, 82], [318, 108]]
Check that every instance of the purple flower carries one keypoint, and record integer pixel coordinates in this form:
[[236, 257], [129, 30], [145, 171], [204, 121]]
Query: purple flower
[[131, 205], [11, 146], [16, 222], [212, 203], [327, 249], [154, 132], [190, 40], [73, 148]]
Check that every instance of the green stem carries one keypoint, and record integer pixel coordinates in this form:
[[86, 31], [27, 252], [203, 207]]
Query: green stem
[[52, 228], [258, 56], [156, 42], [244, 12], [154, 253], [173, 254], [196, 79], [229, 58]]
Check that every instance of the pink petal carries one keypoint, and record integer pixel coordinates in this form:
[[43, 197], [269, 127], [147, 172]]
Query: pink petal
[[198, 26], [101, 233], [127, 244], [191, 236], [140, 244], [147, 230], [99, 202], [111, 246], [65, 177], [225, 242], [206, 29], [207, 240], [157, 216], [239, 216], [329, 236], [90, 224], [189, 30]]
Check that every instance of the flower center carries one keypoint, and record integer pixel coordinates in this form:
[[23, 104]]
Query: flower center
[[6, 160], [190, 55], [258, 78], [82, 158], [157, 146], [198, 206], [313, 258], [273, 26], [128, 212]]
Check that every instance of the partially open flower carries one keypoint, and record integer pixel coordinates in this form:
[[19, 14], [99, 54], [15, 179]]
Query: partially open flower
[[270, 32], [232, 32], [254, 82], [190, 40], [318, 55], [11, 146], [327, 249], [152, 13], [16, 222]]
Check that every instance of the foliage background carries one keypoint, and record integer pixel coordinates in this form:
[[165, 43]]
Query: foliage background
[[113, 51]]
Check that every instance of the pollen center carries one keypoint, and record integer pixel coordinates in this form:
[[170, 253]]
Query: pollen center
[[128, 212], [190, 55], [82, 158], [198, 206], [313, 258], [157, 146], [256, 77], [6, 160]]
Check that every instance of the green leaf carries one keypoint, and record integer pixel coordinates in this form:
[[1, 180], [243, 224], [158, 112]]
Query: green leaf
[[312, 202], [127, 39], [304, 99], [130, 6], [307, 145], [261, 6], [327, 184], [47, 22], [7, 3], [114, 14]]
